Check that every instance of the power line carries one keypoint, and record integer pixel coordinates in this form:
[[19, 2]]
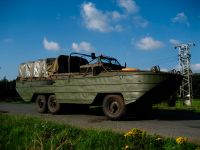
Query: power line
[[161, 60]]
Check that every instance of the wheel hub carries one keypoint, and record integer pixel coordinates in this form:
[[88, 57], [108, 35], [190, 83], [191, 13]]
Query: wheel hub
[[41, 103], [53, 103], [114, 107]]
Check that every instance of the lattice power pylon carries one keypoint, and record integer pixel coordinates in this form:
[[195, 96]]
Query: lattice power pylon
[[185, 70]]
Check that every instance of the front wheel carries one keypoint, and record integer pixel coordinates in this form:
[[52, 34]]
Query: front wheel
[[53, 105], [114, 107]]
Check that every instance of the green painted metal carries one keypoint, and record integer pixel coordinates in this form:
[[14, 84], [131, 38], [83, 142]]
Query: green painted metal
[[83, 88]]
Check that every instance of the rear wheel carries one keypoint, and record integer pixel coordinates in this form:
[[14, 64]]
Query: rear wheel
[[41, 103], [53, 105], [114, 107]]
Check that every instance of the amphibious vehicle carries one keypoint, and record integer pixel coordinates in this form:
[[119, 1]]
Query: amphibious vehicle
[[94, 80]]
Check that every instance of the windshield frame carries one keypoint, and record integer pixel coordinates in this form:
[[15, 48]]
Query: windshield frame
[[109, 60]]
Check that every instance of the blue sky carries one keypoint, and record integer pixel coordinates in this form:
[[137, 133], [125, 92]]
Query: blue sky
[[139, 32]]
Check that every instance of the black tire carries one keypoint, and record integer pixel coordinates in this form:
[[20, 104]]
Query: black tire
[[41, 102], [53, 105], [114, 107]]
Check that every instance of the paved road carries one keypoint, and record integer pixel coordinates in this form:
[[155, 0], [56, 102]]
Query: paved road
[[166, 123]]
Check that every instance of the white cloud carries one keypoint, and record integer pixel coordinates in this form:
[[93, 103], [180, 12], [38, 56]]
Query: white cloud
[[50, 45], [132, 10], [106, 21], [174, 41], [164, 69], [116, 16], [148, 43], [140, 21], [98, 20], [95, 19], [129, 5], [181, 18], [195, 68], [82, 46]]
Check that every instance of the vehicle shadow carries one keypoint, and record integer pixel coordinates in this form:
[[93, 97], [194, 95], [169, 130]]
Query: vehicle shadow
[[177, 114], [167, 114], [157, 114], [81, 109]]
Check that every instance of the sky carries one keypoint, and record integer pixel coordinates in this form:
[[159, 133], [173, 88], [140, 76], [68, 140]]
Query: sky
[[141, 33]]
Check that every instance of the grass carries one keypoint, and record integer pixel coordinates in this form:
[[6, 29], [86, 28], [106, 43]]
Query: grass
[[195, 107], [21, 132]]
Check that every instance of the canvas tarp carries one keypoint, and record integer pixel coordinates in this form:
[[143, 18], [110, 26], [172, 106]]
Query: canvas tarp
[[49, 66], [39, 68]]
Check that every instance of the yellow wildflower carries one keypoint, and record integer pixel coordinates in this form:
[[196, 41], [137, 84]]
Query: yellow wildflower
[[128, 134], [181, 140], [134, 132], [126, 147], [158, 139]]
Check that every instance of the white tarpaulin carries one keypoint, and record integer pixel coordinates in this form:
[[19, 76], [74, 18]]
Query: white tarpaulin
[[50, 66], [34, 69]]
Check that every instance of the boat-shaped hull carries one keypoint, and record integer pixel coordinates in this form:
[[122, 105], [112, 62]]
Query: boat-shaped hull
[[151, 87]]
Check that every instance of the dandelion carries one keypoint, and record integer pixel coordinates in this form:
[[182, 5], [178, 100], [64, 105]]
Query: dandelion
[[158, 139], [134, 132], [126, 147], [128, 134], [181, 140]]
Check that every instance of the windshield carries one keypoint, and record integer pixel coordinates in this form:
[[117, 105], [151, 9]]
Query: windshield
[[110, 61]]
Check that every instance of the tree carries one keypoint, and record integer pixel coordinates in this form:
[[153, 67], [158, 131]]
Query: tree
[[196, 85], [8, 88]]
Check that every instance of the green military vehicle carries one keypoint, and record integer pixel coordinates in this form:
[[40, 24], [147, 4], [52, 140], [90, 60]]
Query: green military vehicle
[[93, 81]]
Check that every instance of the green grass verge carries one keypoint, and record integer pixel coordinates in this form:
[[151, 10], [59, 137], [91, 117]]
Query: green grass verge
[[30, 133], [195, 107]]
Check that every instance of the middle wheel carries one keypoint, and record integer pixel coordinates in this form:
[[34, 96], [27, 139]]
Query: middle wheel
[[53, 104], [114, 107]]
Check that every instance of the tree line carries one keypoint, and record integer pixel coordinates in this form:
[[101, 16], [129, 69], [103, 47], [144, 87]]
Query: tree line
[[196, 85], [8, 88]]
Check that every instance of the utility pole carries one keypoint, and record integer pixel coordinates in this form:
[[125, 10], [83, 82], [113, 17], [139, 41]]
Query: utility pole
[[184, 58]]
